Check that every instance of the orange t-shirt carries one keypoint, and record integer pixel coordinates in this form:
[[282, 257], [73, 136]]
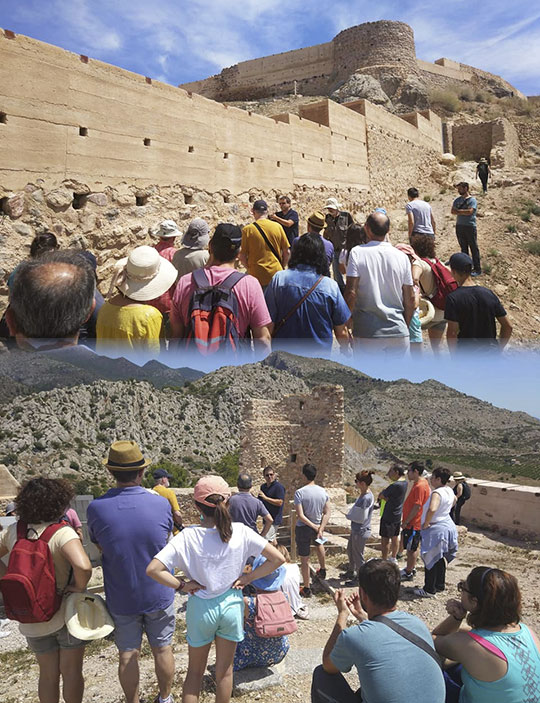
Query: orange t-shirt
[[418, 495]]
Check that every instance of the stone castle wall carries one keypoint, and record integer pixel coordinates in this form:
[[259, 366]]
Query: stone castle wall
[[319, 69], [296, 430], [497, 140]]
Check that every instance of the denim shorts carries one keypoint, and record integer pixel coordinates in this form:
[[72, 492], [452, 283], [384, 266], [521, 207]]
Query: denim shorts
[[222, 616], [61, 639], [159, 628]]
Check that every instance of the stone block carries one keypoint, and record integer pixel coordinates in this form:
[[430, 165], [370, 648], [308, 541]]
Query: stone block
[[14, 206], [256, 679], [98, 199], [23, 229], [37, 195], [59, 199]]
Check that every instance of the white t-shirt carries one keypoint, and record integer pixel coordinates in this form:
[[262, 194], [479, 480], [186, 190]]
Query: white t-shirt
[[447, 496], [291, 587], [421, 212], [201, 555], [382, 271]]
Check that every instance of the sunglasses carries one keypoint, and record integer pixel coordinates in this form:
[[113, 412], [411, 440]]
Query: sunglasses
[[268, 475]]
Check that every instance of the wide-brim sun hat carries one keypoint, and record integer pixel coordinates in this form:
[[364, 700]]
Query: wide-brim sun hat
[[427, 312], [87, 617], [211, 485], [125, 455], [144, 274], [167, 229], [197, 234], [332, 204]]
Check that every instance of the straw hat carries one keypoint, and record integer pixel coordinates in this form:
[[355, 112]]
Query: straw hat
[[316, 219], [125, 455], [458, 476], [144, 274], [427, 312], [87, 617]]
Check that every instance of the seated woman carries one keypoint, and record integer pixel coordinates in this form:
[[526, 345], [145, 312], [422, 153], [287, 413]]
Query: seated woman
[[499, 657], [40, 504], [254, 650], [291, 585]]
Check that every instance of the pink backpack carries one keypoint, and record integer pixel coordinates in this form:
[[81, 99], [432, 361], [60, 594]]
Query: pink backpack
[[273, 615]]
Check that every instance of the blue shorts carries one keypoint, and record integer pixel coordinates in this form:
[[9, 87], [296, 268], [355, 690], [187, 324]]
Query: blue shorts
[[415, 329], [222, 616], [159, 628]]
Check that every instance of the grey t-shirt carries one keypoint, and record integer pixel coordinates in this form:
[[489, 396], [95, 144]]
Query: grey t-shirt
[[187, 260], [421, 212], [389, 667], [313, 499]]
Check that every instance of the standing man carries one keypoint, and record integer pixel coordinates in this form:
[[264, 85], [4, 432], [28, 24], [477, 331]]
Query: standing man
[[162, 482], [131, 525], [245, 508], [313, 511], [338, 222], [483, 172], [379, 290], [272, 495], [419, 214], [412, 517], [394, 495], [287, 218], [391, 668], [316, 225], [472, 310], [465, 207], [265, 248]]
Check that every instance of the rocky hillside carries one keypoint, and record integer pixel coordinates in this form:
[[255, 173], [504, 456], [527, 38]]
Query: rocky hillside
[[65, 431]]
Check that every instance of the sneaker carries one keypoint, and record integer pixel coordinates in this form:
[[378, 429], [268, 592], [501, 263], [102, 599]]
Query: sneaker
[[351, 583], [406, 575], [302, 613], [393, 560], [321, 573], [423, 594], [171, 699], [476, 273], [305, 592], [347, 575], [399, 556]]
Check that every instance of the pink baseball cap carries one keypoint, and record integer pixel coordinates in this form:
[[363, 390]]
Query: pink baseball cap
[[211, 485]]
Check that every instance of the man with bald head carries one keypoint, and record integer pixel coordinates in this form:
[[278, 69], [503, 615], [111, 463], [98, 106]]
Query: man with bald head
[[49, 299], [379, 290]]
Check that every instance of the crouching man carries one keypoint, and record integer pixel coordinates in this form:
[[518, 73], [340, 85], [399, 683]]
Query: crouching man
[[392, 650]]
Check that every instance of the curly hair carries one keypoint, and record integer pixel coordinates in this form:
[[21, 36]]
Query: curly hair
[[423, 245], [309, 250], [43, 500]]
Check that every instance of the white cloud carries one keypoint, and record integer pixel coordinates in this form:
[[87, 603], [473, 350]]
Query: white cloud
[[83, 21]]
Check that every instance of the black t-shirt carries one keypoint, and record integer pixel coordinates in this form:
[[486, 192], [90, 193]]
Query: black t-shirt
[[274, 490], [482, 169], [292, 231], [394, 494], [474, 308]]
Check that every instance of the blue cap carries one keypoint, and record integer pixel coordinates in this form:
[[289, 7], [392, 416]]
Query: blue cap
[[273, 581], [461, 262]]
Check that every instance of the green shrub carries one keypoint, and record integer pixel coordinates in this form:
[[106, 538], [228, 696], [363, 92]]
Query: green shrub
[[181, 477], [526, 216], [445, 99], [227, 467], [466, 94], [74, 465], [427, 198], [9, 459], [511, 228], [532, 247], [487, 268]]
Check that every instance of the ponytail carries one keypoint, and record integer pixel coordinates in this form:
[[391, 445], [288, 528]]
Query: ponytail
[[365, 476], [220, 514]]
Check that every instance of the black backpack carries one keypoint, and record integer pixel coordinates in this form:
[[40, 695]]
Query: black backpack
[[466, 491]]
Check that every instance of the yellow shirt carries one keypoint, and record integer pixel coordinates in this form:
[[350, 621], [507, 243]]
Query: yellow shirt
[[171, 497], [62, 569], [136, 326], [261, 263]]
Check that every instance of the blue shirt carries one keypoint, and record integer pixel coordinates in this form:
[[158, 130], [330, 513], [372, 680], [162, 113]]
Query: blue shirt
[[462, 203], [292, 231], [390, 669], [328, 248], [245, 508], [316, 318], [131, 525], [274, 490]]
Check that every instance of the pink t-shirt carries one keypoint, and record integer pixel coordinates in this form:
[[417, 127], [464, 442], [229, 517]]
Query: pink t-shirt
[[166, 248], [73, 519], [252, 310]]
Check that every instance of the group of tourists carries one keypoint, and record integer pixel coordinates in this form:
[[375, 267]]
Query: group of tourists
[[243, 591], [339, 283]]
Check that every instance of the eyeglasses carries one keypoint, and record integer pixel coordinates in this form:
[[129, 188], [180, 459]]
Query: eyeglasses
[[462, 586]]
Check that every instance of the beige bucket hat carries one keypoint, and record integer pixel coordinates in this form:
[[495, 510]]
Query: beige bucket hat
[[87, 617], [143, 275]]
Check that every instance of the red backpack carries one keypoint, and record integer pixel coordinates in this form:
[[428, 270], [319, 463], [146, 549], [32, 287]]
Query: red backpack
[[29, 585], [444, 281], [213, 314], [273, 617]]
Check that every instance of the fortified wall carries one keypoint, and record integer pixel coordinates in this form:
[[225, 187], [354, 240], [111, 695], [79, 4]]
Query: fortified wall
[[293, 431], [316, 70]]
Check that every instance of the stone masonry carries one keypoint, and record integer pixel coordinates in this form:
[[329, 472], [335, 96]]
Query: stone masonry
[[291, 432]]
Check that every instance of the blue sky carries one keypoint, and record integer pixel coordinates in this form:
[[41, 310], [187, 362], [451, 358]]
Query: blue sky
[[177, 41]]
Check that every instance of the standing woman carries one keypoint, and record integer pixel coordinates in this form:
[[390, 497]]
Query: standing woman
[[360, 517], [438, 534], [40, 504], [499, 657], [213, 555]]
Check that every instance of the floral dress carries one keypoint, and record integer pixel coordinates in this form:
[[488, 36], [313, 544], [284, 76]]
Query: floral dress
[[258, 651]]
